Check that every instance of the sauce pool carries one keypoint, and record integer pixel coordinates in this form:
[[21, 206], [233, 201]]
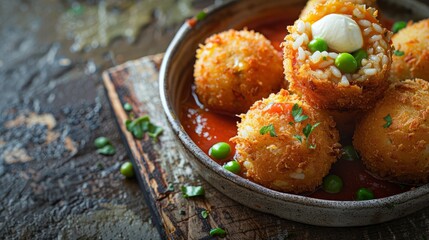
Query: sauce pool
[[206, 127]]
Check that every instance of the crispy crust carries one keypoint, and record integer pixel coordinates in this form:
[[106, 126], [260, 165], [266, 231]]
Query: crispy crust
[[414, 42], [325, 93], [401, 151], [282, 162], [236, 68], [311, 4]]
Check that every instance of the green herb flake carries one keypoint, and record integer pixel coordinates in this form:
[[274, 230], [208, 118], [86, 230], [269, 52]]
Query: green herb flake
[[192, 191], [388, 120], [204, 214], [217, 232], [107, 150], [297, 113], [298, 137], [170, 187], [398, 53], [201, 15], [309, 129], [268, 129], [154, 131]]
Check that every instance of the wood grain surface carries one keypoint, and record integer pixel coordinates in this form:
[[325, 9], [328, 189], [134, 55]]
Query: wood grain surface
[[162, 170]]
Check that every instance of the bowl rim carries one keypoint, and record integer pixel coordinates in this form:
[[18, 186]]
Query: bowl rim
[[411, 195]]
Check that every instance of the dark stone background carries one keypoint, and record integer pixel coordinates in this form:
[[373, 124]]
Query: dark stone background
[[52, 103]]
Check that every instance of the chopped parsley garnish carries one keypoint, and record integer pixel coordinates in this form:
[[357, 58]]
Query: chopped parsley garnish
[[398, 53], [217, 232], [307, 130], [139, 126], [268, 129], [299, 137], [204, 214], [297, 113], [388, 120], [192, 191]]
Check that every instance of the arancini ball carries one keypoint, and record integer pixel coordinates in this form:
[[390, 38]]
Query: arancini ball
[[236, 68], [393, 137], [411, 57], [338, 56], [285, 144]]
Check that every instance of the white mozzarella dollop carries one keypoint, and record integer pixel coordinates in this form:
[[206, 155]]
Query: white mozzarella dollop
[[340, 32]]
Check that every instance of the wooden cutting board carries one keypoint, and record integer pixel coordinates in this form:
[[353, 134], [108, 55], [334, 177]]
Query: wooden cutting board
[[162, 170]]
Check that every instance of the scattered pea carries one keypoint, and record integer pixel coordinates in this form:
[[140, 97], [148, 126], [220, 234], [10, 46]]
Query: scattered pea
[[107, 150], [332, 184], [101, 142], [397, 26], [232, 166], [127, 169], [364, 194], [217, 232], [128, 107], [349, 153], [346, 63], [359, 55], [201, 15], [220, 150]]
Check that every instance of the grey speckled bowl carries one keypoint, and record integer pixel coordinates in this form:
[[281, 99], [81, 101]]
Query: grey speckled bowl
[[175, 82]]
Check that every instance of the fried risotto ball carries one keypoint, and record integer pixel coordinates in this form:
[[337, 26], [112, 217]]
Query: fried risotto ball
[[338, 56], [236, 68], [393, 137], [276, 151], [312, 3], [411, 58]]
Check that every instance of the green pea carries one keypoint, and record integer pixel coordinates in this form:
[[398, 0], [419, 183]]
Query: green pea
[[128, 107], [349, 153], [127, 169], [220, 150], [359, 55], [332, 184], [397, 26], [317, 44], [107, 150], [364, 194], [346, 63], [232, 166], [101, 142]]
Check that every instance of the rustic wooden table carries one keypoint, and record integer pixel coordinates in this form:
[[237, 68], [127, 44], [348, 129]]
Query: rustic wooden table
[[53, 105]]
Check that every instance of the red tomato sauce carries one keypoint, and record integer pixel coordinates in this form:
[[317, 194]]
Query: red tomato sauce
[[206, 127]]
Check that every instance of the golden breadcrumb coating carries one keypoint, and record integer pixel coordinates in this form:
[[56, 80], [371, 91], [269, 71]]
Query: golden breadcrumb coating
[[400, 151], [312, 3], [413, 43], [283, 162], [236, 68]]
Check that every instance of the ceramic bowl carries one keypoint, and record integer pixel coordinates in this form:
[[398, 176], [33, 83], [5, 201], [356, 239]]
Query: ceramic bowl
[[175, 78]]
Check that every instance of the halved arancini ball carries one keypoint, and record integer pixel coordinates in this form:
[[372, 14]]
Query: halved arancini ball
[[411, 56], [285, 144], [393, 137], [338, 56], [236, 68]]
